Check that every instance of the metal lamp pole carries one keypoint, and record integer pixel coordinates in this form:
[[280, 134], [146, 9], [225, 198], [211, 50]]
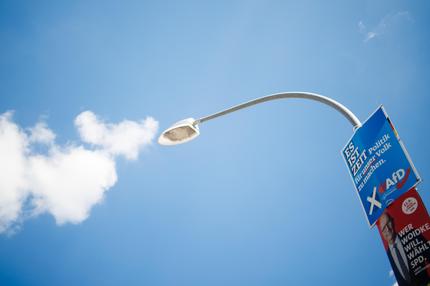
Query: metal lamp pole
[[187, 129], [393, 180]]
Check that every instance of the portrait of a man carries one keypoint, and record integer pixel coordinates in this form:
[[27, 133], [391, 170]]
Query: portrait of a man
[[408, 272]]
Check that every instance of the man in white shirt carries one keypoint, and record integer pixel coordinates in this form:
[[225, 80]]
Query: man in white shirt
[[398, 258]]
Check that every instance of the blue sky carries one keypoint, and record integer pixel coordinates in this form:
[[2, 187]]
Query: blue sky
[[263, 196]]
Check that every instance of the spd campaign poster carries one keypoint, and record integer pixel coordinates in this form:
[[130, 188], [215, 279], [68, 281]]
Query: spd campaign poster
[[379, 164], [404, 227]]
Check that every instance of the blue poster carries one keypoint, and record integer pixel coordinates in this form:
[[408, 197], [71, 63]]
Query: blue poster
[[379, 164]]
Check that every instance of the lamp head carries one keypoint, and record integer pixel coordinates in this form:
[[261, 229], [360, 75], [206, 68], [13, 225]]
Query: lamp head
[[180, 132]]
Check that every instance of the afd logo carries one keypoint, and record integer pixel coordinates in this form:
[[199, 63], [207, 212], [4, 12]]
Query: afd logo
[[397, 179]]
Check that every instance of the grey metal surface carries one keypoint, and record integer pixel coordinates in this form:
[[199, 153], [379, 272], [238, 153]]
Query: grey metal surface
[[305, 95]]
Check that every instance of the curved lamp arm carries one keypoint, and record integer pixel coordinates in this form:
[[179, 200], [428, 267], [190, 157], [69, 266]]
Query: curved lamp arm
[[187, 129], [306, 95]]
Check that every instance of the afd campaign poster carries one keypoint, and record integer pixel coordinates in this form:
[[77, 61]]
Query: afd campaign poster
[[404, 227], [379, 164]]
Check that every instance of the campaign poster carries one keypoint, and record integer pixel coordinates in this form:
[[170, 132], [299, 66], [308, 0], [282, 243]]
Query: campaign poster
[[379, 164], [405, 231]]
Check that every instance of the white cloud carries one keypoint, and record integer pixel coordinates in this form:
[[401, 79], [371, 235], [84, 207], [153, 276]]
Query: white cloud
[[386, 22], [69, 180], [125, 138], [361, 27], [67, 183], [40, 133], [13, 183]]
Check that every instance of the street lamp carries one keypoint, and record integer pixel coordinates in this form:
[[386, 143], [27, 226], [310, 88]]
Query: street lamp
[[376, 135], [188, 129]]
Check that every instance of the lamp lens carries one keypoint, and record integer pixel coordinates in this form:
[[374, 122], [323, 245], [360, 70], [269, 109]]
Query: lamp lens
[[180, 133]]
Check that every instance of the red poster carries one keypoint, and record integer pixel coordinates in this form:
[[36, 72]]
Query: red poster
[[405, 231]]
